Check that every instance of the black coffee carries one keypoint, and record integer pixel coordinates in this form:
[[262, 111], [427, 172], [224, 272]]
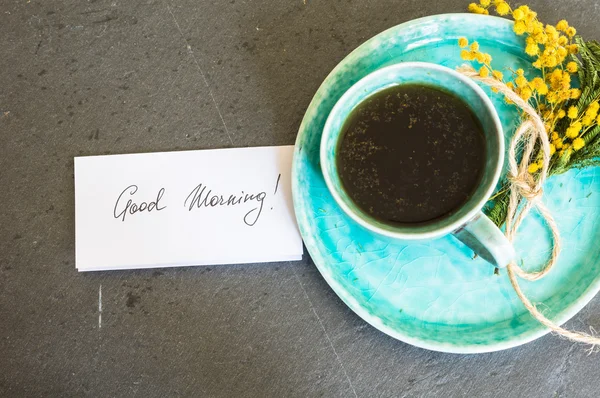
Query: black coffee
[[411, 154]]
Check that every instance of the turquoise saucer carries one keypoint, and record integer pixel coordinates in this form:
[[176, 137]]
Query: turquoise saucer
[[433, 294]]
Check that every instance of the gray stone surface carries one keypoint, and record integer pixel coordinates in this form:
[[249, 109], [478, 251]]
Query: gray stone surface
[[96, 77]]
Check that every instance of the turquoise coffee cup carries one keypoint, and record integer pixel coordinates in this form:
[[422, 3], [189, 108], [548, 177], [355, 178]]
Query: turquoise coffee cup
[[466, 223]]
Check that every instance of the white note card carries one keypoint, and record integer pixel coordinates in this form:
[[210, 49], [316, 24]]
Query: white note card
[[222, 206]]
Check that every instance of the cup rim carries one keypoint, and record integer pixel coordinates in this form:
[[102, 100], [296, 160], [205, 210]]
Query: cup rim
[[369, 222]]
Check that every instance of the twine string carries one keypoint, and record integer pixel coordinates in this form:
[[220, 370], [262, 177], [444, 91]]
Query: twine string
[[526, 194]]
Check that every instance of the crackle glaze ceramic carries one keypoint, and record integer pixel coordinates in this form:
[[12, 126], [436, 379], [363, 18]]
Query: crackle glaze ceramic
[[434, 294]]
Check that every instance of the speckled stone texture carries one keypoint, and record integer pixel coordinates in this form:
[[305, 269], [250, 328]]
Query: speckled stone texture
[[97, 77]]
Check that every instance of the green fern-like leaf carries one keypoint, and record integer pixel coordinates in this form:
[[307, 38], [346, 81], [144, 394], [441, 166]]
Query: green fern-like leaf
[[594, 48], [590, 135], [586, 163], [587, 96], [498, 210]]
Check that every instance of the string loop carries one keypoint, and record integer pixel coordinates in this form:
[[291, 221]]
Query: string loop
[[526, 194]]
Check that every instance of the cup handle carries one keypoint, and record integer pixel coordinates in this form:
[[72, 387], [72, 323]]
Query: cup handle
[[486, 240]]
